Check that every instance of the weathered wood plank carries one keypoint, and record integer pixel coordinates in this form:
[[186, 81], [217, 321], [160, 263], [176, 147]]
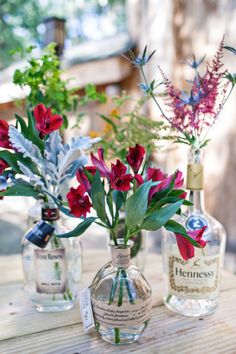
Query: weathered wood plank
[[168, 333]]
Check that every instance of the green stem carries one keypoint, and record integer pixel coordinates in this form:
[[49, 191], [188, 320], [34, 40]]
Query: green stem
[[113, 288], [117, 335], [153, 96], [113, 236], [121, 291], [127, 285]]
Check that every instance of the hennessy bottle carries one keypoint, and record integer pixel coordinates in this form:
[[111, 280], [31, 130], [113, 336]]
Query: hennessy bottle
[[51, 265], [191, 287]]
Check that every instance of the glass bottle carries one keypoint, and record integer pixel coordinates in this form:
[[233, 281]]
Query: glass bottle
[[121, 298], [51, 265], [34, 213], [139, 249], [191, 287]]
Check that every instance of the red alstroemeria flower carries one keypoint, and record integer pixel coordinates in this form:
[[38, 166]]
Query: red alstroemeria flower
[[156, 175], [139, 179], [135, 157], [100, 163], [119, 180], [46, 122], [3, 166], [186, 249], [79, 202], [83, 179], [4, 137]]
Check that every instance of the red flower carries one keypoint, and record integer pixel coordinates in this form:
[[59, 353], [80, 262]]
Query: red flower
[[3, 166], [83, 179], [4, 137], [46, 122], [156, 175], [139, 179], [186, 249], [135, 157], [118, 178], [100, 163], [79, 202]]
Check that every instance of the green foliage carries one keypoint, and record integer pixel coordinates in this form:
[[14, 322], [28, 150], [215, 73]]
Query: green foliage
[[43, 76], [80, 228], [127, 127], [18, 26], [136, 205]]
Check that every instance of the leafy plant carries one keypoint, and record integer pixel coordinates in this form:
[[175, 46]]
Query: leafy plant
[[124, 128], [44, 78]]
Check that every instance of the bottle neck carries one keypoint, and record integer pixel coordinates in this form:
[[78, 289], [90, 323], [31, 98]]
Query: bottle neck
[[121, 253], [50, 213], [196, 197], [195, 181]]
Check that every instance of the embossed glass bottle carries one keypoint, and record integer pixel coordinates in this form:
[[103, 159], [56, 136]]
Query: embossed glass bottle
[[51, 266], [121, 298], [191, 287]]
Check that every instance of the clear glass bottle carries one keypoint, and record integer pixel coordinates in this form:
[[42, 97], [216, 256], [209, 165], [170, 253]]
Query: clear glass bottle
[[139, 249], [191, 287], [121, 298], [51, 265], [34, 213]]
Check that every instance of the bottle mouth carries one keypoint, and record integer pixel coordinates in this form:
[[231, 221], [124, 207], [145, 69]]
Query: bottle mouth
[[121, 244]]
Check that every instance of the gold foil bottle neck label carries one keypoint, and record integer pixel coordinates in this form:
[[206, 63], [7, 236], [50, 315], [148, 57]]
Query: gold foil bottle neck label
[[195, 177]]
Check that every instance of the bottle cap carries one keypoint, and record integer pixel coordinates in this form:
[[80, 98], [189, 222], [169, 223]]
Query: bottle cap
[[40, 234], [50, 213]]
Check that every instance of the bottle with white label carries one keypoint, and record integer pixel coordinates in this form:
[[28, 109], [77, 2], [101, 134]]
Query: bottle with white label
[[121, 298], [51, 266], [192, 287]]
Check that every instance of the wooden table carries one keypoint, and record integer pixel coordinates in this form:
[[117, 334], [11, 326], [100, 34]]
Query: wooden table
[[25, 331]]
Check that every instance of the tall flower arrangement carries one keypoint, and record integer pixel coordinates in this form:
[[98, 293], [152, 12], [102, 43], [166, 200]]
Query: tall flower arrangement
[[191, 113]]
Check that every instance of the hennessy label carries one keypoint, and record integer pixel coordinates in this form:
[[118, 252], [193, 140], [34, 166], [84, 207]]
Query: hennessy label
[[50, 271], [195, 222], [127, 315], [196, 278]]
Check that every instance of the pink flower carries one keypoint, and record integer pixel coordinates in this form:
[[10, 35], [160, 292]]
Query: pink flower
[[119, 180], [198, 109], [46, 122], [83, 179], [186, 249], [79, 202], [135, 157], [100, 163], [156, 175]]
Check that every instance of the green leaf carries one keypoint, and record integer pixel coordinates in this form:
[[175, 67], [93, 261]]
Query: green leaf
[[109, 121], [136, 205], [231, 49], [118, 199], [175, 227], [110, 204], [32, 132], [12, 159], [98, 197], [79, 229], [159, 218], [22, 190], [23, 125]]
